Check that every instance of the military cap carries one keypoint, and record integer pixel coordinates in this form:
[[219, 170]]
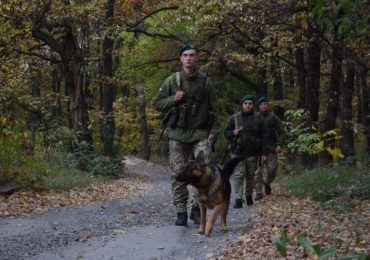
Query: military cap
[[262, 99], [186, 47], [247, 97]]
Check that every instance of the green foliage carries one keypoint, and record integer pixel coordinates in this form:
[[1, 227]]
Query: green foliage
[[50, 167], [354, 256], [329, 184], [302, 138], [87, 158], [280, 242], [316, 249], [66, 178]]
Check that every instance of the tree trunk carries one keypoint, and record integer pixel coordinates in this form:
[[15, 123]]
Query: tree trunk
[[145, 146], [277, 86], [124, 104], [72, 63], [347, 144], [261, 88], [312, 92], [108, 89], [34, 118], [55, 87], [289, 82], [365, 111], [334, 91], [313, 79], [301, 76]]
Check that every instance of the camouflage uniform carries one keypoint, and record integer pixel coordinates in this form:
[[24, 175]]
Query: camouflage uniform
[[276, 136], [194, 119], [249, 143], [243, 179], [179, 155]]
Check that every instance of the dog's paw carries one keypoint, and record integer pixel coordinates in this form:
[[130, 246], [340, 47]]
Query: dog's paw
[[201, 231], [224, 229]]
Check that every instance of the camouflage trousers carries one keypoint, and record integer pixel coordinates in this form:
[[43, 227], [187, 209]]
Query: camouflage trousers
[[271, 166], [243, 177], [180, 154]]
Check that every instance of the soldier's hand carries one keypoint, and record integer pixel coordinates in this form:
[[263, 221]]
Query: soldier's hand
[[179, 95], [236, 132], [211, 139], [278, 149], [263, 158]]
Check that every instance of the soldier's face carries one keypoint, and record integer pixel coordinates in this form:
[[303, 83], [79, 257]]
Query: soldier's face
[[264, 106], [247, 105], [189, 59]]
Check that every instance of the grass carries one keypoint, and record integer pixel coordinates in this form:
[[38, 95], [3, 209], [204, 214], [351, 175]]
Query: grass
[[47, 169], [325, 185]]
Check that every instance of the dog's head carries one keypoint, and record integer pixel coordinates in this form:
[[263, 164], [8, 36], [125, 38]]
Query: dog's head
[[195, 172]]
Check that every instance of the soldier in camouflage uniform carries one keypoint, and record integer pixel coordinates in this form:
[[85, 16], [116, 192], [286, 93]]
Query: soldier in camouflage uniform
[[189, 99], [276, 138], [247, 135]]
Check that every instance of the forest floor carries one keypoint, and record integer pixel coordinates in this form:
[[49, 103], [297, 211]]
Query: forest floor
[[90, 223]]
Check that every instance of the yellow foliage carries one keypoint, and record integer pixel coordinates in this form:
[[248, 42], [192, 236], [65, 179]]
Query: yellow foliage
[[336, 153]]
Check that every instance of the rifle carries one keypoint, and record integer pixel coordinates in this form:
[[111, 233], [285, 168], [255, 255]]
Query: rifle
[[163, 126], [225, 155], [166, 120]]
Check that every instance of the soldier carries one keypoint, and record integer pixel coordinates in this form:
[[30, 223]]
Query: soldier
[[247, 135], [276, 138], [190, 98]]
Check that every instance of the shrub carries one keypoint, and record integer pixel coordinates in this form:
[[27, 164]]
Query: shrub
[[325, 184], [88, 158]]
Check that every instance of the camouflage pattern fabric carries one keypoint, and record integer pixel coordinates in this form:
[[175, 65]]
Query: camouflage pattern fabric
[[180, 154], [271, 166], [243, 177]]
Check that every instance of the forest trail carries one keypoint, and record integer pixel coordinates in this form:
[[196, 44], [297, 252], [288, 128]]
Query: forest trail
[[137, 226]]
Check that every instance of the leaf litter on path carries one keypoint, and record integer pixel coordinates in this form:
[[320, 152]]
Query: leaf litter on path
[[346, 232]]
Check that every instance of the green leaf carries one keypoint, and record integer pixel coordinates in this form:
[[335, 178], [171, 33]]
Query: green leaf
[[316, 249], [280, 246], [280, 243], [303, 241], [327, 252]]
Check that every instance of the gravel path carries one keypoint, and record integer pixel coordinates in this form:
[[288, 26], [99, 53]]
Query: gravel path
[[137, 226]]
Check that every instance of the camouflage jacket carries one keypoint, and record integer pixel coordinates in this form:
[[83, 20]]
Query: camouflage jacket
[[196, 116], [251, 140], [275, 130]]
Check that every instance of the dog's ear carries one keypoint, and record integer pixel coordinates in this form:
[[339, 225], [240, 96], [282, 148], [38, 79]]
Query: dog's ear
[[200, 159]]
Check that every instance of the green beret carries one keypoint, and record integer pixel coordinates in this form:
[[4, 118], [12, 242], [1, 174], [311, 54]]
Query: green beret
[[262, 99], [247, 97], [186, 47]]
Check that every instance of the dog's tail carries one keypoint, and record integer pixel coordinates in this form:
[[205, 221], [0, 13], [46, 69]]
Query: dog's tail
[[230, 165]]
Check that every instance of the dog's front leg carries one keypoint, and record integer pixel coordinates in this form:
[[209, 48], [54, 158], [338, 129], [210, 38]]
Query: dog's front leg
[[212, 219], [225, 210], [203, 215]]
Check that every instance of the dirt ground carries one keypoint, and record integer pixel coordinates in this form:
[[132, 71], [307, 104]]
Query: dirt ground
[[133, 218]]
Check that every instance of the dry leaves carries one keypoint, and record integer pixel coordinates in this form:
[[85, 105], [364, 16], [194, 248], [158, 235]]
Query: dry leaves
[[345, 232], [25, 202]]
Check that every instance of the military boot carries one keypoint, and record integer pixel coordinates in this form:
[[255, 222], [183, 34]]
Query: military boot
[[267, 189], [258, 196], [238, 204], [182, 219], [249, 200], [195, 215]]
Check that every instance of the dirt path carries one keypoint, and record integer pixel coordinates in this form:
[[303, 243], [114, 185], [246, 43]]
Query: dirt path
[[137, 226]]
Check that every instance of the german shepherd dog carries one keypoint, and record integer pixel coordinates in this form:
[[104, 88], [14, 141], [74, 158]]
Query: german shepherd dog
[[212, 189]]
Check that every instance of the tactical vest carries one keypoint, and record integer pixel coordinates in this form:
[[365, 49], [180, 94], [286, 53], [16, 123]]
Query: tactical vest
[[192, 113], [269, 122], [248, 142]]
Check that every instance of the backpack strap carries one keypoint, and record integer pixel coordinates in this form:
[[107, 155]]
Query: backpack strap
[[178, 80], [236, 120]]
